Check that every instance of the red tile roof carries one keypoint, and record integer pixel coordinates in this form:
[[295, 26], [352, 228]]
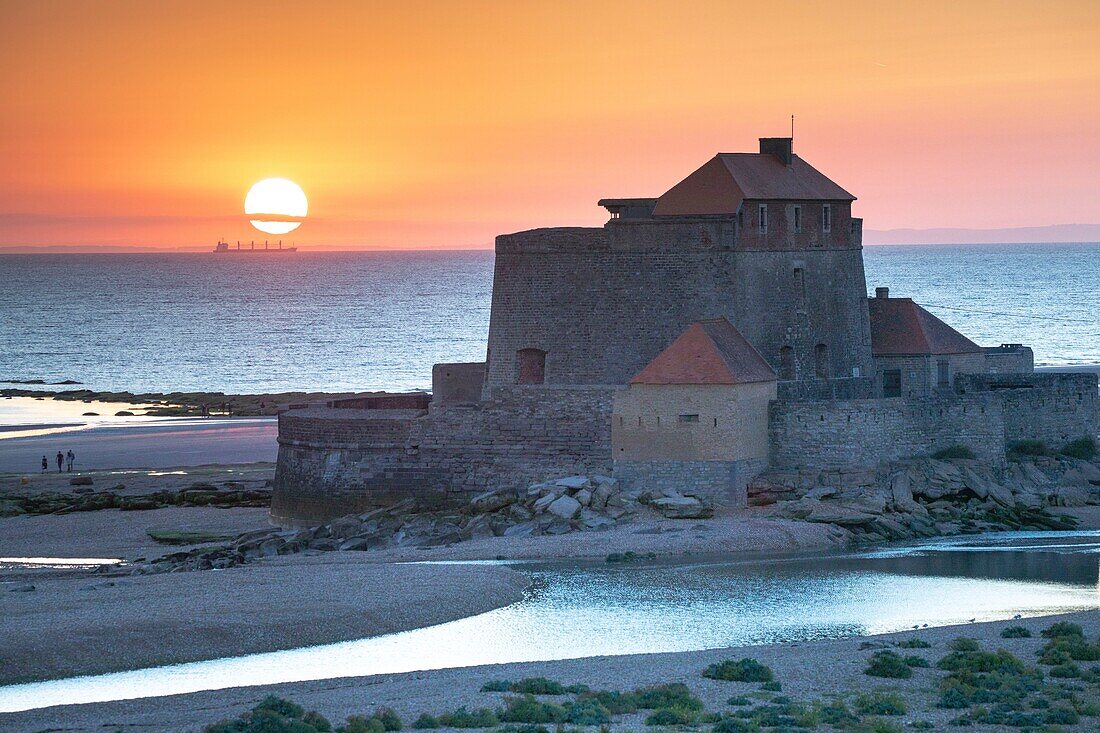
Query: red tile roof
[[708, 352], [722, 183], [900, 327]]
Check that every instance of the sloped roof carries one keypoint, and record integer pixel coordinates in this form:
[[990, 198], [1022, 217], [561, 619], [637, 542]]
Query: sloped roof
[[722, 183], [708, 352], [900, 327]]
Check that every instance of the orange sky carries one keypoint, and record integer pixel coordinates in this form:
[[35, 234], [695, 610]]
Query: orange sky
[[440, 124]]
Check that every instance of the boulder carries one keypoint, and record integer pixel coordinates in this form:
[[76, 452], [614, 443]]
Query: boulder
[[565, 507], [682, 507], [364, 542], [491, 501], [822, 492], [522, 530], [594, 520], [543, 503], [836, 513], [572, 482], [584, 496]]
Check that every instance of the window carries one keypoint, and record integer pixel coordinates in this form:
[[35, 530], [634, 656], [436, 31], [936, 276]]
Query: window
[[943, 369], [614, 214], [688, 418], [762, 212], [530, 366], [786, 363], [741, 218], [821, 361], [798, 219], [800, 286], [827, 218], [891, 383]]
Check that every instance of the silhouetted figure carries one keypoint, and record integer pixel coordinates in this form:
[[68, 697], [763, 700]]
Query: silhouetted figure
[[45, 464], [60, 461], [69, 458]]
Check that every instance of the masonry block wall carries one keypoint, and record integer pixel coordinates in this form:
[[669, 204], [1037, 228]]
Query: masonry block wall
[[602, 302], [1051, 407], [868, 432], [341, 461]]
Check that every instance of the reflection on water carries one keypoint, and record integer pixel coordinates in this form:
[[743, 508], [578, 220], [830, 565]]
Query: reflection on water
[[588, 610]]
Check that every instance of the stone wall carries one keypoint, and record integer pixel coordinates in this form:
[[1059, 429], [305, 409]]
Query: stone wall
[[1051, 407], [868, 432], [603, 302], [457, 384], [340, 461], [1009, 359]]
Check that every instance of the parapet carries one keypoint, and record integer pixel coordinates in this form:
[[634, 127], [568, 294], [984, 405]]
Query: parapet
[[553, 239], [457, 383]]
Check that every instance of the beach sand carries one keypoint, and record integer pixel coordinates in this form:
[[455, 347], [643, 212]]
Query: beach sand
[[807, 671]]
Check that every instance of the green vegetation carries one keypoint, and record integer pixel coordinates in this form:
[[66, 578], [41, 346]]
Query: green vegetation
[[739, 701], [630, 556], [913, 643], [529, 709], [743, 670], [533, 686], [1084, 448], [771, 686], [426, 722], [363, 724], [1015, 632], [463, 718], [879, 703], [674, 695], [388, 718], [1029, 448], [888, 664], [915, 660], [953, 451], [274, 715], [672, 716]]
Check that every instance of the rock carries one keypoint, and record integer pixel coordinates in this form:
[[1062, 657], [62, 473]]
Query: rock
[[520, 513], [345, 527], [479, 527], [822, 492], [271, 547], [364, 542], [835, 513], [22, 588], [1080, 476], [572, 482], [594, 520], [124, 413], [558, 526], [683, 507], [81, 481], [565, 507], [584, 496], [491, 501], [10, 508], [543, 503], [522, 530]]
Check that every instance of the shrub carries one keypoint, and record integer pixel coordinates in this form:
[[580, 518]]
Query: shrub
[[913, 643], [1029, 448], [616, 703], [463, 718], [426, 722], [771, 686], [836, 714], [1015, 632], [733, 725], [1065, 671], [529, 709], [587, 712], [274, 715], [972, 662], [280, 706], [363, 724], [388, 718], [497, 686], [875, 725], [672, 716], [965, 644], [743, 670], [1061, 715], [319, 722], [1062, 629], [537, 686], [1083, 448], [953, 451], [879, 703], [739, 701], [888, 664], [914, 660], [674, 695]]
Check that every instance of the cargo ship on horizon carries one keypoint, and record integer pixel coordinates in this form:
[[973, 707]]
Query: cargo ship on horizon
[[224, 247]]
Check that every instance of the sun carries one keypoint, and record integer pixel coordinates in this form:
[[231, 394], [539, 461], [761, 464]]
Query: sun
[[279, 203]]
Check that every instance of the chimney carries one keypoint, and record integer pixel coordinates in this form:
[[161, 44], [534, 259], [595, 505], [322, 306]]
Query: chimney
[[780, 147], [882, 293]]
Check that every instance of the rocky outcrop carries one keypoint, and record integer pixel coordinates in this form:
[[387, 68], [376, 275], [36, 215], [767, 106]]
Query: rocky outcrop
[[84, 499], [926, 497]]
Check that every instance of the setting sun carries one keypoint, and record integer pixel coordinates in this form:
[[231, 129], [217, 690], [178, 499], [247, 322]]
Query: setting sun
[[278, 202]]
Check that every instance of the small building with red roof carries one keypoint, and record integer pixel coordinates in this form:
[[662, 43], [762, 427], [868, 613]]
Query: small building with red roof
[[915, 353], [695, 419]]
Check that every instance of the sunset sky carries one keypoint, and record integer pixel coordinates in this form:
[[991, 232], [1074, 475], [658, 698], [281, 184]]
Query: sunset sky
[[441, 124]]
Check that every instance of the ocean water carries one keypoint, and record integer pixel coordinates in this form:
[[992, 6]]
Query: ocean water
[[379, 320]]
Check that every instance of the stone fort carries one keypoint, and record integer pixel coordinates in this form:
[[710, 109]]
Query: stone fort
[[693, 341]]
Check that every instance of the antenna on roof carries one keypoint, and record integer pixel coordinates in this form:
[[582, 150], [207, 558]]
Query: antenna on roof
[[792, 131]]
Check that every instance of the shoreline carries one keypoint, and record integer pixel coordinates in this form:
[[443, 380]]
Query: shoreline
[[808, 670]]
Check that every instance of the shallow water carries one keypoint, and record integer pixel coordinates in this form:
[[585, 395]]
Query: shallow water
[[599, 609]]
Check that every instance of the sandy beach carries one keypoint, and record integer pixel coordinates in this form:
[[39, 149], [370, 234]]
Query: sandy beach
[[820, 670]]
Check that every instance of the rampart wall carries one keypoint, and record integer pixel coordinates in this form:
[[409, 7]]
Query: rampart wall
[[1051, 407]]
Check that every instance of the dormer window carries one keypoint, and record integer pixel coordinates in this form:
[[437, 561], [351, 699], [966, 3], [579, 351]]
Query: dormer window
[[763, 222], [826, 218]]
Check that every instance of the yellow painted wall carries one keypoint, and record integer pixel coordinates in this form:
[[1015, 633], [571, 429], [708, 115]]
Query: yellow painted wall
[[646, 422]]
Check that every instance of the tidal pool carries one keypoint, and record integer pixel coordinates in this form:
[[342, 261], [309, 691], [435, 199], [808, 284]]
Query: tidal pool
[[581, 610]]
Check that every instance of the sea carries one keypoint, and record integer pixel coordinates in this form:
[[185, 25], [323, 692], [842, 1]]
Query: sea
[[343, 321]]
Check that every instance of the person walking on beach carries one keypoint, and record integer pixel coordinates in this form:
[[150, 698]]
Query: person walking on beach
[[60, 461], [45, 464], [69, 458]]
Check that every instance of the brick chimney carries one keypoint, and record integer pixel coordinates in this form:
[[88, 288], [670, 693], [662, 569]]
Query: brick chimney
[[882, 292], [780, 147]]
